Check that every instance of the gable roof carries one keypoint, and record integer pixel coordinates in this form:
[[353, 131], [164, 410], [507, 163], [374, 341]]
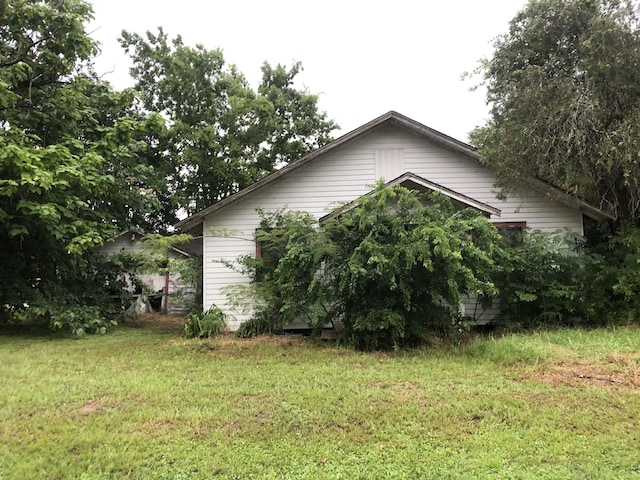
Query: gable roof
[[390, 118], [411, 178]]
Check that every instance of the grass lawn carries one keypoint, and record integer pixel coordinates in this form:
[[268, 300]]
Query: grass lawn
[[142, 402]]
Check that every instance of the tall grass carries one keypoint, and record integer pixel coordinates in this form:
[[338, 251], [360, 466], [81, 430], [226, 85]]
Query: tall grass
[[556, 345], [145, 403]]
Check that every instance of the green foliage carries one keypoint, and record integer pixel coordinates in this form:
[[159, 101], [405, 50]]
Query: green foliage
[[205, 324], [41, 45], [612, 282], [403, 263], [90, 292], [255, 327], [541, 279], [81, 320], [71, 170], [280, 292], [559, 279], [564, 90], [394, 267], [222, 135]]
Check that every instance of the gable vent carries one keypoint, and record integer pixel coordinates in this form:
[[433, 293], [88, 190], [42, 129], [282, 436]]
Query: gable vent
[[389, 163]]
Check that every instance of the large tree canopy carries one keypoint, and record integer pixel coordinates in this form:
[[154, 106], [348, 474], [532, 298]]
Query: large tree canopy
[[72, 173], [222, 135], [80, 162], [564, 89]]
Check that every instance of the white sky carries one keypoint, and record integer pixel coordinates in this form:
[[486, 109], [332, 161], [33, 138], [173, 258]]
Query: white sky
[[363, 58]]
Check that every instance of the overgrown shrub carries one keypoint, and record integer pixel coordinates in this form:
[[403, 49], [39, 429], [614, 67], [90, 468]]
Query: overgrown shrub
[[557, 279], [205, 324], [612, 281], [394, 267], [403, 263], [80, 320], [89, 298], [282, 289], [540, 279]]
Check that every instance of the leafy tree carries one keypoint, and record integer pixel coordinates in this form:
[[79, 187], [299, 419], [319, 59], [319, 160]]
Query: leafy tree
[[71, 170], [564, 88], [222, 135]]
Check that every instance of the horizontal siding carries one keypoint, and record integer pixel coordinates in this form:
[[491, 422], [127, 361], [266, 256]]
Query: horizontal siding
[[346, 173]]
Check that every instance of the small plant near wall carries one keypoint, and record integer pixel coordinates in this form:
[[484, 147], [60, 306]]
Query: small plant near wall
[[209, 323], [255, 327]]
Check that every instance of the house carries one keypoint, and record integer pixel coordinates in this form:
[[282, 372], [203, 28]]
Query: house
[[393, 147], [167, 292]]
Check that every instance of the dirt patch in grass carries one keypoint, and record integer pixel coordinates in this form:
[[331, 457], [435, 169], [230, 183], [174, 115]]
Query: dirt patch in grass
[[286, 340], [620, 370], [158, 322], [90, 407], [229, 345]]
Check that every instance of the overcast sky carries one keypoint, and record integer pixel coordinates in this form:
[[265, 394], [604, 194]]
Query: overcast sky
[[363, 58]]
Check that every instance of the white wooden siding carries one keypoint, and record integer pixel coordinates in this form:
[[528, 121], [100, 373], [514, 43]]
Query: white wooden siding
[[348, 172]]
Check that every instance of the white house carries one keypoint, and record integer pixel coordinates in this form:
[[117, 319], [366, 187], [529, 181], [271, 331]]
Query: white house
[[393, 147]]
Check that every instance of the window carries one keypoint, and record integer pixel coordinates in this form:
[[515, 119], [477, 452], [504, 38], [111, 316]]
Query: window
[[268, 252], [511, 231], [258, 248]]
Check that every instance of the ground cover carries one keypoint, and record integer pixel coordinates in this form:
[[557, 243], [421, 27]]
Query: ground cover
[[142, 402]]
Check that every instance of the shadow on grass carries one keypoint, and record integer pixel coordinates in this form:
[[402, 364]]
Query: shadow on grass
[[152, 323], [156, 323], [28, 329]]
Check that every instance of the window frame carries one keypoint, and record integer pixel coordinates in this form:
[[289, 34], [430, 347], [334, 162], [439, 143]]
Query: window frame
[[504, 228]]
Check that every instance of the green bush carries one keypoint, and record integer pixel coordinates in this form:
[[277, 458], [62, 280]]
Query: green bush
[[394, 267], [88, 298], [281, 277], [80, 320], [205, 324], [612, 281], [541, 280]]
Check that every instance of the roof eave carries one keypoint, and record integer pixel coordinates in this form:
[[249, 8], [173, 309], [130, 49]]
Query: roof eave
[[439, 138], [392, 116], [571, 201]]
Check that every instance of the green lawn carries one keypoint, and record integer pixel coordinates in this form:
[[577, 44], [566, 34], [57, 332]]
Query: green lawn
[[142, 402]]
